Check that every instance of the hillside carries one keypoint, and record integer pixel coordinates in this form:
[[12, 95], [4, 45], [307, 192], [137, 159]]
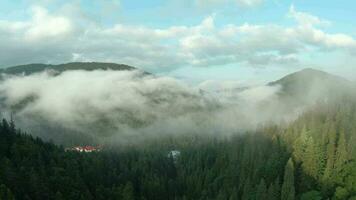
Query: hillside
[[311, 158], [89, 66], [306, 78], [307, 85], [310, 85]]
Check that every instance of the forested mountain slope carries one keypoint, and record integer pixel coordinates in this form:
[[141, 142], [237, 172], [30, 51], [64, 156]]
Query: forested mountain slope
[[88, 66], [310, 85], [311, 158]]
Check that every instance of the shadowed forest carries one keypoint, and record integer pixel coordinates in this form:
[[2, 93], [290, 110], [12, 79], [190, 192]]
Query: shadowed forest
[[310, 158]]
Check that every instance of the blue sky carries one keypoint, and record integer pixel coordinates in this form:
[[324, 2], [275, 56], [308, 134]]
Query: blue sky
[[195, 40]]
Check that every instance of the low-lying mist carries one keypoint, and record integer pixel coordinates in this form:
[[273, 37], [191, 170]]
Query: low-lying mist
[[130, 106]]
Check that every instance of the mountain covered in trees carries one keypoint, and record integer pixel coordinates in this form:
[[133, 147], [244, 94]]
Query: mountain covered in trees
[[311, 85], [312, 157], [88, 66]]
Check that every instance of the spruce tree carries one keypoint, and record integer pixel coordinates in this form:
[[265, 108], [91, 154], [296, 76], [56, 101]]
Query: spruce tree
[[261, 192], [274, 191], [247, 190], [5, 193], [288, 189], [128, 192], [330, 156], [341, 153]]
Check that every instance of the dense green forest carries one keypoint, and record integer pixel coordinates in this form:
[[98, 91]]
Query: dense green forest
[[310, 158]]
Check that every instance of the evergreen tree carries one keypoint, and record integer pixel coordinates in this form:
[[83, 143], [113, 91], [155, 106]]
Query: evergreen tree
[[5, 193], [59, 196], [311, 195], [128, 192], [341, 153], [234, 195], [310, 161], [288, 189], [330, 157], [261, 192], [341, 193], [247, 191], [274, 191], [300, 145]]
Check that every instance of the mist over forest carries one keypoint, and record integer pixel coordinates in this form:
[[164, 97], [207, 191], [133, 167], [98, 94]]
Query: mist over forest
[[291, 138], [177, 100], [131, 106]]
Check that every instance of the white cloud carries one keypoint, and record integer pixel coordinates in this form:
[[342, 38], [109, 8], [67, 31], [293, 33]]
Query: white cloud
[[306, 19], [125, 105], [250, 3], [45, 26], [58, 37], [241, 3], [324, 40]]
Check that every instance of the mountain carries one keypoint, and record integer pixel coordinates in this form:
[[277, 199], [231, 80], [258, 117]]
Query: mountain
[[310, 85], [89, 66], [308, 77]]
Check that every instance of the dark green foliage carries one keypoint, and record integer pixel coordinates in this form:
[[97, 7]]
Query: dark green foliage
[[311, 195], [274, 191], [288, 189], [128, 192], [311, 158], [261, 191], [207, 168], [5, 193]]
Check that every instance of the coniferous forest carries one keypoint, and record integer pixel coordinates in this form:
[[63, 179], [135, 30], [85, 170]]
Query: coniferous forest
[[177, 100], [311, 158]]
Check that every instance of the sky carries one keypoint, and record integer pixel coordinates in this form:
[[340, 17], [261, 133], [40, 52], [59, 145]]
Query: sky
[[246, 41]]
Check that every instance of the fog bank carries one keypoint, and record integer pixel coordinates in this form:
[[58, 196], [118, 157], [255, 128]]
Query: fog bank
[[124, 106]]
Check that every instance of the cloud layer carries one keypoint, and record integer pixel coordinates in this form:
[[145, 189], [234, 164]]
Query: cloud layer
[[61, 36], [129, 106], [122, 106]]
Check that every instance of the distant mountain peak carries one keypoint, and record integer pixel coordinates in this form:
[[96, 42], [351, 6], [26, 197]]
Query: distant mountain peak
[[311, 83], [306, 76], [309, 69], [88, 66]]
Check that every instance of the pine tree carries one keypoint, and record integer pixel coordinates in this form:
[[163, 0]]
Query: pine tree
[[128, 192], [313, 159], [221, 195], [340, 193], [59, 196], [5, 193], [261, 192], [311, 195], [300, 145], [288, 190], [12, 126], [274, 191], [233, 195], [330, 156], [341, 152], [247, 191]]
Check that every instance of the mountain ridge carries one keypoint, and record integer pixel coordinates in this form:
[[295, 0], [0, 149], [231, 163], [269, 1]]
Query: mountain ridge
[[28, 69], [311, 85], [310, 73]]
